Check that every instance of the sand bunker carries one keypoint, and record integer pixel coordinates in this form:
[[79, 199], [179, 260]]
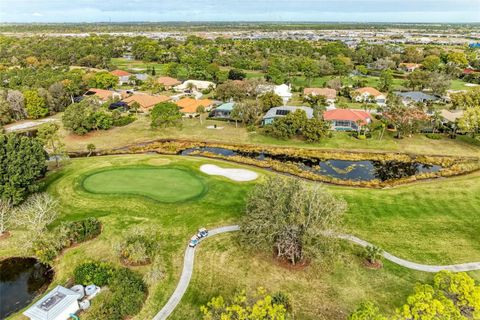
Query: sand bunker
[[232, 174]]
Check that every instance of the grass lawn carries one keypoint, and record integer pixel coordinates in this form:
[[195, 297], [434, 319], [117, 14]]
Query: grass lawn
[[430, 222], [149, 182], [140, 131]]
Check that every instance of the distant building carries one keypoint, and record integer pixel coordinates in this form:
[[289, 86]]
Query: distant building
[[451, 116], [279, 112], [123, 76], [347, 119], [223, 111], [369, 94], [416, 97], [103, 95], [410, 67], [189, 106], [198, 85], [145, 101], [283, 91], [329, 94], [58, 304], [168, 82]]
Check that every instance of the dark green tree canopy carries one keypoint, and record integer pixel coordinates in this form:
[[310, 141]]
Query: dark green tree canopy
[[22, 164]]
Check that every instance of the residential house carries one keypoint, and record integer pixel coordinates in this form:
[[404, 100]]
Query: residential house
[[223, 111], [329, 94], [279, 112], [451, 116], [145, 101], [103, 95], [189, 106], [411, 97], [283, 90], [58, 304], [369, 94], [347, 119], [197, 85], [168, 82], [410, 67], [123, 76]]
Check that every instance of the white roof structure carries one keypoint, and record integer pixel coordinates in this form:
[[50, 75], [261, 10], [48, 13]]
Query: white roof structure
[[58, 304], [283, 90], [198, 84]]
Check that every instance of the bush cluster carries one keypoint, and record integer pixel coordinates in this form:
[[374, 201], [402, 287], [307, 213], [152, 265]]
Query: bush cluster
[[47, 247], [137, 247], [124, 297]]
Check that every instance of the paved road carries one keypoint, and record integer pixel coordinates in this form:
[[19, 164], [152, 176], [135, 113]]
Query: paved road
[[190, 256], [187, 275]]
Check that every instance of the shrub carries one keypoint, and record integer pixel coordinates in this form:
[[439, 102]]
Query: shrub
[[373, 253], [79, 231], [124, 297], [124, 120], [434, 136], [137, 247], [98, 273]]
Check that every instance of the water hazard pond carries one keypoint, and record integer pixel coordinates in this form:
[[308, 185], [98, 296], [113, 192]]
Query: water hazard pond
[[21, 280], [362, 170]]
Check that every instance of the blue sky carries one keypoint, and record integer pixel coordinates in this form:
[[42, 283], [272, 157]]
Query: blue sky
[[243, 10]]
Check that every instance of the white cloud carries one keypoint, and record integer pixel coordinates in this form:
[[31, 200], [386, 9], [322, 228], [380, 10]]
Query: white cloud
[[37, 14]]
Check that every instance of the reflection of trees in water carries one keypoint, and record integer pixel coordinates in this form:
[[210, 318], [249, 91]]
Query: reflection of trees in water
[[388, 170], [11, 270], [40, 275]]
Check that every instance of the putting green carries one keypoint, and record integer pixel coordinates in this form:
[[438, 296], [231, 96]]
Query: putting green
[[161, 184]]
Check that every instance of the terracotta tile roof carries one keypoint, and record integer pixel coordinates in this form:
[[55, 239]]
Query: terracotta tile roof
[[347, 115], [101, 93], [326, 92], [146, 101], [372, 91], [189, 105], [120, 73], [168, 81]]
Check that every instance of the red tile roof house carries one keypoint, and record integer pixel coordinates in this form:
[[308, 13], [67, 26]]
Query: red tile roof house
[[347, 119], [123, 76]]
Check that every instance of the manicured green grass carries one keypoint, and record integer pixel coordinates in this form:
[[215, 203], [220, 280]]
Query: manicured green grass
[[429, 222], [165, 185]]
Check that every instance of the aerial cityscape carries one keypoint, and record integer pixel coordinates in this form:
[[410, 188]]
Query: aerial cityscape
[[240, 160]]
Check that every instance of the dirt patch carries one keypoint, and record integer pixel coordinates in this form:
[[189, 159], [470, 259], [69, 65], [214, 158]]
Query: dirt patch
[[286, 264], [5, 235], [373, 265]]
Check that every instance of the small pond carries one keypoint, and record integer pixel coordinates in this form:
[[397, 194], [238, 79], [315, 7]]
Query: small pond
[[21, 280], [364, 170]]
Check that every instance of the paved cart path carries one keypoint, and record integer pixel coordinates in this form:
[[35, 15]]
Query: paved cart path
[[187, 274], [190, 256]]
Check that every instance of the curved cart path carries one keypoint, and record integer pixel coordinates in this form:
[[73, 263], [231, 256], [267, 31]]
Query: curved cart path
[[190, 256], [187, 274]]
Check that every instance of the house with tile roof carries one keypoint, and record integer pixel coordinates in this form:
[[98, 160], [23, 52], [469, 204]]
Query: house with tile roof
[[123, 76], [168, 82], [369, 94], [146, 101], [102, 94], [329, 94], [347, 119], [198, 85], [189, 106]]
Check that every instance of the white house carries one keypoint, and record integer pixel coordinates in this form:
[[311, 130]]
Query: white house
[[58, 304], [283, 90], [196, 84], [369, 94]]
